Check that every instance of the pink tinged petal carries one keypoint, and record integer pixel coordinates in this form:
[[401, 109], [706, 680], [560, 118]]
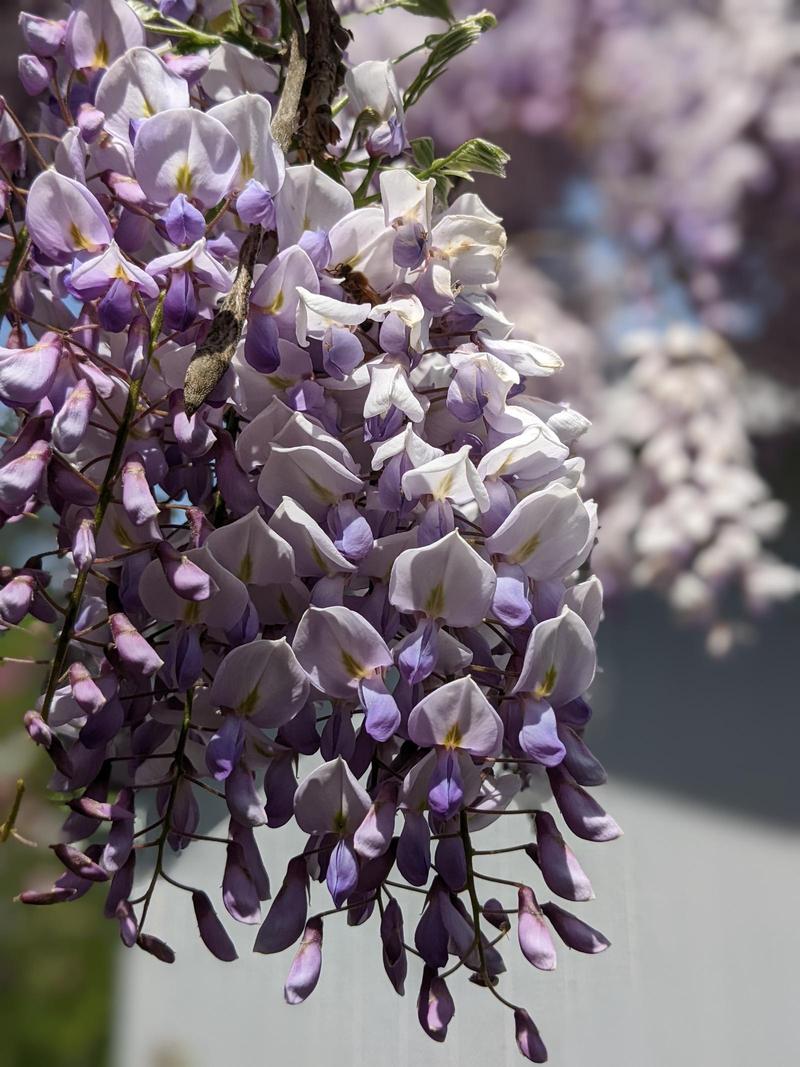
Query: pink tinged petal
[[43, 36], [560, 868], [212, 932], [242, 798], [307, 964], [137, 86], [64, 218], [374, 835], [511, 605], [248, 118], [99, 31], [342, 874], [381, 710], [15, 599], [447, 580], [72, 418], [574, 932], [414, 848], [446, 788], [330, 799], [538, 737], [529, 1041], [239, 893], [582, 814], [544, 533], [79, 863], [135, 654], [262, 681], [34, 73], [582, 764], [338, 649], [418, 651], [184, 576], [309, 200], [225, 747], [137, 497], [26, 374], [21, 476], [287, 915], [435, 1007], [457, 715], [533, 933], [184, 150], [560, 660], [252, 551], [87, 694], [309, 476]]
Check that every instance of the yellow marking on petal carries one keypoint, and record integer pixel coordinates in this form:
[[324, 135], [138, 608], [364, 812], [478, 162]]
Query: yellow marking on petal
[[121, 535], [445, 486], [352, 666], [339, 822], [248, 167], [452, 739], [306, 222], [526, 549], [283, 604], [245, 569], [274, 307], [316, 555], [278, 382], [121, 273], [101, 53], [147, 108], [548, 683], [191, 613], [183, 179], [434, 605], [79, 239], [247, 706], [325, 495]]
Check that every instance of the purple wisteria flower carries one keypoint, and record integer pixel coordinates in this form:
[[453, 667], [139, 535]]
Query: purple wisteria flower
[[327, 551]]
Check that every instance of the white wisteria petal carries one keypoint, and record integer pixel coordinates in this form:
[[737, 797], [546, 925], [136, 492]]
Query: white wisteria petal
[[418, 451], [560, 660], [449, 477], [361, 242], [317, 312], [261, 681], [446, 580], [315, 554], [338, 648], [389, 387], [457, 715], [252, 551], [330, 800], [526, 357], [63, 217], [309, 476], [222, 610], [233, 70], [586, 600], [137, 86], [309, 200], [544, 533], [248, 119], [373, 85]]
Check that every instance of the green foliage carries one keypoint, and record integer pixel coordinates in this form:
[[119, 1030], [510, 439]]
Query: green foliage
[[443, 47], [473, 157], [435, 9]]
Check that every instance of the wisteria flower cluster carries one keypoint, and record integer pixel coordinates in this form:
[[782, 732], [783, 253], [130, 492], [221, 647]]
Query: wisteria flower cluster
[[315, 519]]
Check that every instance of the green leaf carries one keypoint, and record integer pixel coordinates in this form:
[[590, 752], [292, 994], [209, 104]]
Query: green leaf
[[434, 9], [473, 157], [444, 47], [145, 12], [424, 153]]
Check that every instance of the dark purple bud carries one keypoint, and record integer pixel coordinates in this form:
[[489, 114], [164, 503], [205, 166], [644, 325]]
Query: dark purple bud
[[239, 893], [495, 913], [38, 730], [280, 786], [116, 309], [256, 206], [338, 736], [225, 747], [582, 764], [414, 848], [451, 862], [120, 838], [244, 836], [121, 886], [237, 489], [529, 1042], [300, 733], [261, 343], [213, 933], [574, 932], [185, 816], [128, 926], [560, 869], [135, 654], [242, 798], [418, 651], [436, 523], [435, 1007], [431, 936], [286, 918], [156, 947], [180, 303], [103, 725], [317, 246], [341, 352], [307, 964], [56, 895], [410, 245], [185, 578], [96, 809], [247, 628], [342, 876], [381, 710], [185, 656], [79, 863], [389, 139], [534, 935], [183, 222], [582, 814], [395, 959], [34, 73]]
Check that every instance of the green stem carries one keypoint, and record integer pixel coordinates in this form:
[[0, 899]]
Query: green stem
[[103, 500], [21, 245], [8, 826]]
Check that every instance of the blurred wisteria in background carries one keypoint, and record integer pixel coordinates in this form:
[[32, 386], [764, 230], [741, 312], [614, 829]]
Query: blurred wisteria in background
[[655, 194]]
